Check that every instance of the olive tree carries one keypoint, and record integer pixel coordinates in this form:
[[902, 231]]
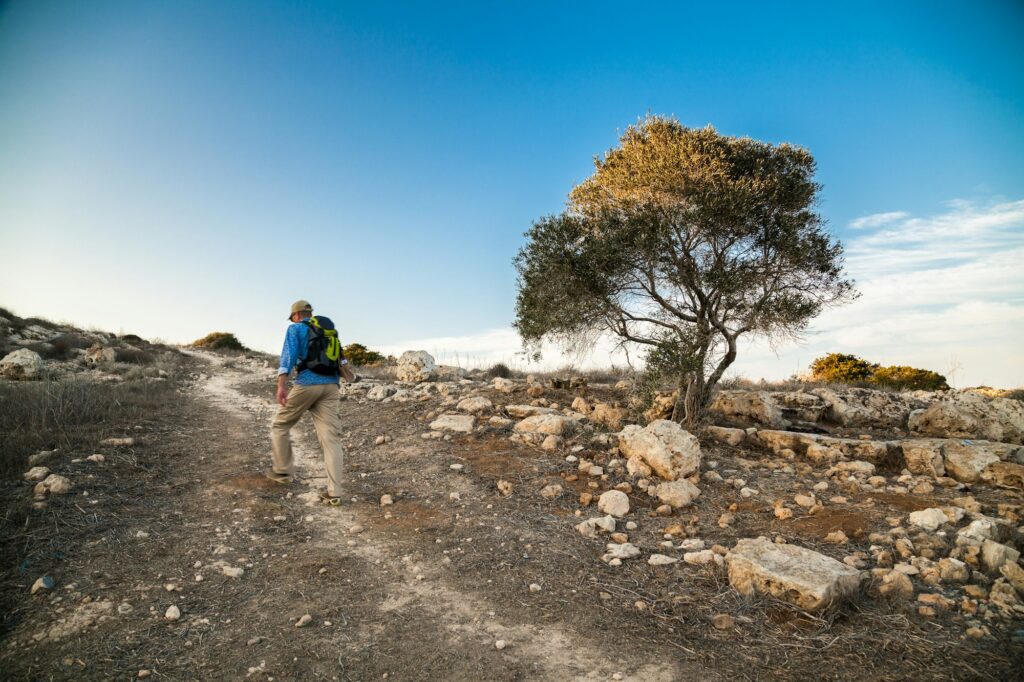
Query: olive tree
[[681, 242]]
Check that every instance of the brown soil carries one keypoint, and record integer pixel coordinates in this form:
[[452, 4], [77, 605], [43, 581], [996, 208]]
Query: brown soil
[[422, 589]]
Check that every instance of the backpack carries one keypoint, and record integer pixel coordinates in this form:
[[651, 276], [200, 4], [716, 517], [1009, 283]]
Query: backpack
[[323, 349]]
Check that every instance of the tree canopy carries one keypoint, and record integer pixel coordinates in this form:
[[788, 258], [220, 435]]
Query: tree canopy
[[682, 241]]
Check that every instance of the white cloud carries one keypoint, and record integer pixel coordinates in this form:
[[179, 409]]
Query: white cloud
[[877, 219], [944, 292]]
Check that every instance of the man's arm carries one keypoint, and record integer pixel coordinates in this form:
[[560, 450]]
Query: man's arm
[[289, 358]]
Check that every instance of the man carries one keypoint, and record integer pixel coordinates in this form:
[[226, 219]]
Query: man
[[314, 391]]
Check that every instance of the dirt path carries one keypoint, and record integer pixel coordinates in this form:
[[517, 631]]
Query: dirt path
[[422, 589]]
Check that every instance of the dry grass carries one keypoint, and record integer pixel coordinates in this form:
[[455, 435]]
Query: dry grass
[[70, 414]]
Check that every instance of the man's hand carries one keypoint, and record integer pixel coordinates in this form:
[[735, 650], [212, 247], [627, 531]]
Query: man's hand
[[347, 374], [282, 389]]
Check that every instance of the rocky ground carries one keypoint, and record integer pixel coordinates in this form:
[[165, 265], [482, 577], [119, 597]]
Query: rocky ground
[[510, 529]]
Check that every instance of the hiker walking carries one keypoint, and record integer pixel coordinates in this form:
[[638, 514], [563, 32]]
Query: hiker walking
[[312, 348]]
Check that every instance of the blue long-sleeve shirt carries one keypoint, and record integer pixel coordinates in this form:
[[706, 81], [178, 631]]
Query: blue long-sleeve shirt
[[296, 340]]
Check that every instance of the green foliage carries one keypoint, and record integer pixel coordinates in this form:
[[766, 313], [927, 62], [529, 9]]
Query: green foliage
[[909, 379], [842, 368], [682, 237], [499, 369], [220, 341], [360, 356]]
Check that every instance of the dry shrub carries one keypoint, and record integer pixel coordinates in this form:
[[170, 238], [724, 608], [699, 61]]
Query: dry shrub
[[220, 341], [499, 369]]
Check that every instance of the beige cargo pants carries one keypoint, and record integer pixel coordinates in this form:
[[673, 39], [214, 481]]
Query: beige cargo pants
[[322, 402]]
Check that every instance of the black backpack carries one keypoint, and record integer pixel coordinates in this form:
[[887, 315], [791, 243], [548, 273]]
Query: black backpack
[[323, 349]]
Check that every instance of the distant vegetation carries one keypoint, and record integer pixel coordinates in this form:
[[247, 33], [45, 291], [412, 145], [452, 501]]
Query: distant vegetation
[[361, 356], [220, 341], [499, 369], [843, 368]]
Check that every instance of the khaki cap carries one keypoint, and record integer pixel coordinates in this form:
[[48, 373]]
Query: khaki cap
[[300, 306]]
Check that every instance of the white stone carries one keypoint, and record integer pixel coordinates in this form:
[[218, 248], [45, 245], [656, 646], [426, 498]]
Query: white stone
[[703, 557], [474, 404], [625, 550], [503, 385], [233, 571], [671, 452], [614, 503], [454, 423], [21, 364], [677, 494], [56, 484], [552, 491], [523, 411], [591, 527], [724, 434], [415, 366], [551, 424], [661, 560], [381, 391], [802, 576], [172, 612], [995, 554], [36, 474], [928, 519]]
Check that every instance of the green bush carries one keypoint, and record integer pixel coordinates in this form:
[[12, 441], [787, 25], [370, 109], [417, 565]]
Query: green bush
[[220, 341], [909, 379], [360, 356], [842, 368]]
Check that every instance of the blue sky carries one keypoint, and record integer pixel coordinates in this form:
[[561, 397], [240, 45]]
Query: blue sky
[[177, 167]]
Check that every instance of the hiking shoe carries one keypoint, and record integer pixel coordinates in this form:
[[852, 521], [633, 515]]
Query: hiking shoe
[[329, 500], [284, 479]]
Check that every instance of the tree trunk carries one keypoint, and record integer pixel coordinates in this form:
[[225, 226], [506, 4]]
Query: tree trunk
[[694, 401]]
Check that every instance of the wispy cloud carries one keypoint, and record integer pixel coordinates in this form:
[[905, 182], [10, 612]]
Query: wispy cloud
[[877, 219], [944, 292]]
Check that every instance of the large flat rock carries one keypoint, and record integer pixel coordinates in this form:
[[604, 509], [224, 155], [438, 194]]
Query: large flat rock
[[798, 575]]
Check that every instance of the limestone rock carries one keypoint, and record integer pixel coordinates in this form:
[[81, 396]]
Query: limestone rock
[[455, 423], [503, 385], [55, 484], [1004, 474], [802, 576], [415, 366], [551, 424], [758, 406], [994, 555], [966, 414], [928, 519], [550, 492], [474, 404], [924, 456], [22, 364], [625, 550], [663, 445], [36, 474], [523, 411], [608, 416], [591, 527], [678, 494], [614, 503], [966, 461], [723, 434], [381, 391], [866, 407]]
